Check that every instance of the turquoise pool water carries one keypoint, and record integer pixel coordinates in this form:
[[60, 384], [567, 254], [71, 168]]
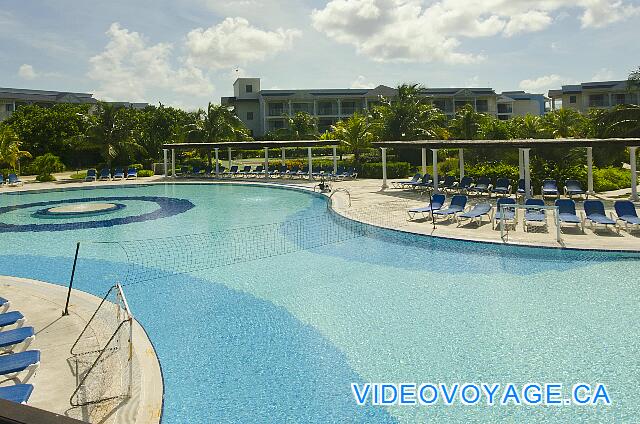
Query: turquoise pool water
[[281, 339]]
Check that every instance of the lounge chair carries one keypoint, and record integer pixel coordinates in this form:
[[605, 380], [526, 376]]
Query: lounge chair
[[195, 171], [14, 180], [401, 184], [520, 190], [627, 213], [352, 173], [595, 214], [449, 183], [246, 171], [92, 175], [1, 178], [574, 188], [549, 188], [567, 213], [302, 172], [118, 174], [482, 186], [132, 174], [437, 200], [4, 304], [477, 212], [537, 216], [11, 318], [502, 187], [292, 172], [280, 172], [458, 202], [508, 214], [12, 339], [425, 182], [258, 171], [13, 364], [231, 172], [465, 184], [105, 174], [18, 393]]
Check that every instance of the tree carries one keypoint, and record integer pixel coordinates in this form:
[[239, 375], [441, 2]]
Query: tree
[[495, 129], [356, 133], [467, 124], [563, 123], [621, 121], [10, 152], [633, 81], [528, 126], [46, 165], [157, 126]]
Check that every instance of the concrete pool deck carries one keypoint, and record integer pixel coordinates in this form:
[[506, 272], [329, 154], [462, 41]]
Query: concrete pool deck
[[42, 305]]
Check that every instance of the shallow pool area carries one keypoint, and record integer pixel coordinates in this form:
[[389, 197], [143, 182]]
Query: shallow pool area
[[282, 337]]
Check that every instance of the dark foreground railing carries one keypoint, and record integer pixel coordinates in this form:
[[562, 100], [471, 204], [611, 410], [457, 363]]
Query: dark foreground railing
[[15, 413]]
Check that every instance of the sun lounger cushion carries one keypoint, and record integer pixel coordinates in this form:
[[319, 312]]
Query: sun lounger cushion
[[10, 318], [478, 210], [18, 393], [11, 337], [17, 362]]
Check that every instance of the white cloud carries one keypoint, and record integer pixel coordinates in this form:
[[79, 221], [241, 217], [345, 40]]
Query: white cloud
[[603, 74], [235, 42], [129, 68], [27, 72], [427, 31], [362, 82], [542, 84]]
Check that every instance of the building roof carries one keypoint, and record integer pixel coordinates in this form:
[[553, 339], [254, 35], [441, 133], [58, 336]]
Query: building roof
[[594, 85], [45, 96]]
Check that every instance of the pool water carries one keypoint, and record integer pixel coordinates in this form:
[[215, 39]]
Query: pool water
[[281, 339]]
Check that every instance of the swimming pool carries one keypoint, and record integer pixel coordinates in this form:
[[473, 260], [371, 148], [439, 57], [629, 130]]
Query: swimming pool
[[281, 339]]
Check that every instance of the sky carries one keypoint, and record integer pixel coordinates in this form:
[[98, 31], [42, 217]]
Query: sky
[[186, 53]]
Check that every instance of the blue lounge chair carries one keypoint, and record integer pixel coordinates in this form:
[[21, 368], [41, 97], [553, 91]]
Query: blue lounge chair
[[305, 171], [352, 173], [14, 180], [508, 214], [18, 393], [503, 187], [437, 200], [534, 215], [1, 178], [401, 184], [627, 213], [567, 213], [458, 202], [573, 188], [13, 364], [465, 184], [105, 174], [92, 175], [11, 318], [132, 174], [482, 186], [449, 183], [520, 190], [4, 304], [118, 174], [195, 171], [425, 182], [477, 212], [279, 172], [20, 336], [231, 172], [595, 214], [549, 188], [259, 171], [246, 171]]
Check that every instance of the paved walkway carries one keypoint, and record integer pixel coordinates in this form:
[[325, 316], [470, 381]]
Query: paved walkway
[[54, 382]]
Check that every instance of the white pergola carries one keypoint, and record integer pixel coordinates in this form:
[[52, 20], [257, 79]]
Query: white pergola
[[524, 147], [249, 145]]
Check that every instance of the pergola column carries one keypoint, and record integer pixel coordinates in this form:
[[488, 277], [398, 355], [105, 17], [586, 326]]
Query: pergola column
[[266, 162], [229, 157], [424, 160], [527, 173], [435, 169], [590, 170], [173, 163], [216, 150], [335, 160], [166, 162], [461, 162], [283, 157], [521, 163], [384, 168], [634, 173], [310, 164]]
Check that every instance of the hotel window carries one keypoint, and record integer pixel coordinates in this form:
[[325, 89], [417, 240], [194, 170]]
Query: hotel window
[[482, 106], [9, 107], [572, 99], [620, 99], [249, 116], [249, 88], [276, 109], [505, 108]]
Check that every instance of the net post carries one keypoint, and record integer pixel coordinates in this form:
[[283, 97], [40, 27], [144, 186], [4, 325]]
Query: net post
[[73, 273]]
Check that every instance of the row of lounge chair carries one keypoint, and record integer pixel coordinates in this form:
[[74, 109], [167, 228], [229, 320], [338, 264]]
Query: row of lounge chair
[[273, 172], [105, 174], [15, 359], [13, 180], [594, 212], [484, 185]]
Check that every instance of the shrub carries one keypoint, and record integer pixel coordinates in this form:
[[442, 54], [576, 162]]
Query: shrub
[[45, 178], [610, 178], [78, 176], [46, 165], [493, 171], [137, 166], [145, 173], [374, 170]]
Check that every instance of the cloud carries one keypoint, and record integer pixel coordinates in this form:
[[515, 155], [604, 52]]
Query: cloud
[[27, 72], [129, 68], [361, 82], [235, 42], [542, 84], [604, 74], [431, 31]]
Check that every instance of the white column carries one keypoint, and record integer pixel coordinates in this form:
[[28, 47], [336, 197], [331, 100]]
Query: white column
[[310, 164], [527, 174], [339, 107], [435, 169], [461, 162], [217, 161], [173, 163], [266, 162], [634, 173], [384, 168], [283, 157], [521, 163], [229, 157], [424, 160], [335, 160], [590, 170], [166, 162]]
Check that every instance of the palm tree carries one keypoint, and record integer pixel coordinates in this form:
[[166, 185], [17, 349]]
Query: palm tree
[[528, 126], [564, 123], [301, 126], [622, 121], [356, 133], [10, 152], [112, 133], [467, 124], [495, 129]]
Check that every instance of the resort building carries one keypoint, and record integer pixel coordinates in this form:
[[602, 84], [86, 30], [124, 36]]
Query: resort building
[[13, 98], [599, 94], [264, 110]]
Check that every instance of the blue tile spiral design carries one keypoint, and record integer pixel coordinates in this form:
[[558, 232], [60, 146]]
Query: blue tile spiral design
[[169, 206]]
